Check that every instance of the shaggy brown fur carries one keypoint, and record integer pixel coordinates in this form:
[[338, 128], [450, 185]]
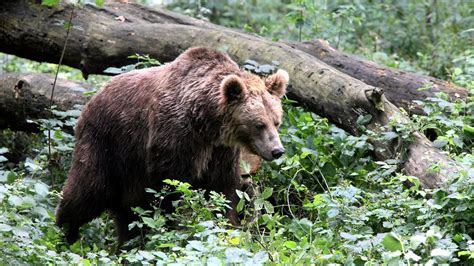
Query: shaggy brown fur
[[185, 120]]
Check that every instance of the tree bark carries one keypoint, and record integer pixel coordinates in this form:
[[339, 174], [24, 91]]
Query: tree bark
[[401, 87], [27, 96], [101, 36]]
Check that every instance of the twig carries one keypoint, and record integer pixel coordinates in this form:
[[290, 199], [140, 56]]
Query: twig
[[266, 249], [69, 26], [339, 34]]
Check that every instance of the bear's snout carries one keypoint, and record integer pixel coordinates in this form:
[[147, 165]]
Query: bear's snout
[[277, 153]]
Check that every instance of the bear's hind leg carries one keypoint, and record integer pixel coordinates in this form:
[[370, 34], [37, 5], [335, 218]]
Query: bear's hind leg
[[72, 213], [79, 205]]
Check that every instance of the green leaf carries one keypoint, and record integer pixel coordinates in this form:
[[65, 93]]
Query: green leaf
[[457, 71], [240, 194], [90, 93], [240, 205], [245, 166], [214, 261], [171, 182], [364, 119], [115, 70], [468, 130], [290, 244], [318, 200], [150, 190], [267, 193], [58, 134], [85, 262], [99, 2], [458, 238], [387, 224], [11, 177], [412, 256], [166, 245], [258, 203], [466, 253], [348, 236], [389, 135], [50, 2], [15, 200], [439, 143], [147, 255], [246, 196], [5, 228], [41, 189], [197, 245], [441, 255], [305, 152], [42, 212], [260, 257], [149, 222], [392, 242], [458, 142], [299, 22], [3, 176], [268, 207], [333, 213]]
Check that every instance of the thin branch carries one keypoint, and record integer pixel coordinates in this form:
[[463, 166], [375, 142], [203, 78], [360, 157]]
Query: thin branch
[[69, 26]]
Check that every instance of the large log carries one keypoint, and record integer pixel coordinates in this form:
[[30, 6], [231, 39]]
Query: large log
[[25, 97], [101, 36], [401, 87]]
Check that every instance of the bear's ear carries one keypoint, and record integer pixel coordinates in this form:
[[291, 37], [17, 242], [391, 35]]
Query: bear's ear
[[276, 83], [233, 88]]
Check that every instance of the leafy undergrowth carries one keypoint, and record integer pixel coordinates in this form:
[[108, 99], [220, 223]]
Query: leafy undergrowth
[[326, 201]]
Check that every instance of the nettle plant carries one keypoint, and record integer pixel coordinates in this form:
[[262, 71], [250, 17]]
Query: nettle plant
[[143, 61], [194, 233], [451, 122]]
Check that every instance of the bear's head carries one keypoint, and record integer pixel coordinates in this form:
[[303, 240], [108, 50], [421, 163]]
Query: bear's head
[[254, 112]]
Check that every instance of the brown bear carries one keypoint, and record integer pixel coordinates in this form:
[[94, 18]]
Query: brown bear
[[185, 120]]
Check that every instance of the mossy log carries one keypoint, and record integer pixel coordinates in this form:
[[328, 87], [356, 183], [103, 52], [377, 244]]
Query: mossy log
[[99, 44], [401, 88], [24, 97]]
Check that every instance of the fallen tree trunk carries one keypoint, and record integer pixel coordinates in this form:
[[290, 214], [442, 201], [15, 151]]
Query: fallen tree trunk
[[27, 96], [101, 36], [401, 87]]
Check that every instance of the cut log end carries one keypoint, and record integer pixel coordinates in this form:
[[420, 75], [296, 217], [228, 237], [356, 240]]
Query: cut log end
[[428, 162]]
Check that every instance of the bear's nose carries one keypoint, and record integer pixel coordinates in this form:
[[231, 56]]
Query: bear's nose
[[277, 153]]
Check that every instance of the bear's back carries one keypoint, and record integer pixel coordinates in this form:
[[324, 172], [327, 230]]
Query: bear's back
[[203, 55], [166, 97]]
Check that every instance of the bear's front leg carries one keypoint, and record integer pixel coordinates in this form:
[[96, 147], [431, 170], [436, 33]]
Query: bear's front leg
[[231, 213], [227, 185], [223, 176]]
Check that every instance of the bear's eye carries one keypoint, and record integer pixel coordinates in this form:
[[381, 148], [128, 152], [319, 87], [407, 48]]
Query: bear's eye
[[260, 126], [277, 124]]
